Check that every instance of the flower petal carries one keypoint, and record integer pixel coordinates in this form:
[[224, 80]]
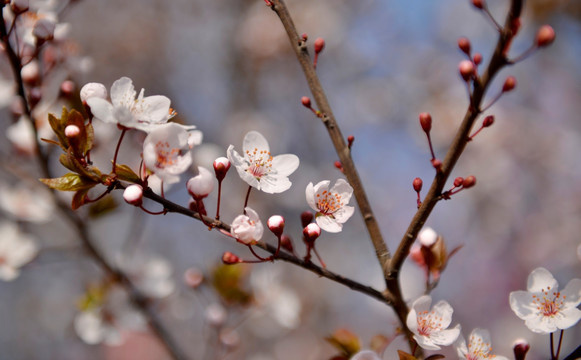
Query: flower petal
[[153, 109], [274, 184], [285, 164], [310, 195], [446, 337], [569, 318], [521, 302], [444, 311], [343, 214], [328, 224], [122, 92], [541, 279], [343, 188], [572, 293], [102, 110], [254, 139]]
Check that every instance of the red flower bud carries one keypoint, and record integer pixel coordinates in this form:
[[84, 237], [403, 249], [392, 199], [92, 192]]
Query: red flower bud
[[520, 348], [306, 218], [306, 101], [464, 45], [311, 232], [133, 195], [545, 36], [276, 224], [469, 182], [319, 45], [221, 167], [229, 259], [458, 181], [286, 243], [478, 3], [466, 68], [477, 58], [350, 140], [509, 84], [417, 184], [488, 121], [426, 121]]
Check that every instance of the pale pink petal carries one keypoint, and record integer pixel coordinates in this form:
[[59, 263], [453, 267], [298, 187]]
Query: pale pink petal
[[254, 140], [541, 279], [285, 164], [122, 92], [328, 224], [572, 293], [102, 110], [521, 302]]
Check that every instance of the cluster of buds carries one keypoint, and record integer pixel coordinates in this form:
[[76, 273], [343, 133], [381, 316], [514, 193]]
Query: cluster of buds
[[460, 183]]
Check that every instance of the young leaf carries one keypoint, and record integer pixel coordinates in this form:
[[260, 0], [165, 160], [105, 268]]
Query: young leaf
[[405, 356], [125, 173], [69, 182], [79, 199], [345, 341]]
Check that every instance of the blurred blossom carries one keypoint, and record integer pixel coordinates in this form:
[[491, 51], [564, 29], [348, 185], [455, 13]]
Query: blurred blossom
[[543, 307], [151, 275], [95, 328], [215, 314], [478, 346], [32, 204], [16, 250], [366, 355], [259, 168]]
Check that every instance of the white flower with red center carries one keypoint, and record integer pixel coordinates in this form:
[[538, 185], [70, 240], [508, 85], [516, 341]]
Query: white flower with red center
[[16, 250], [259, 168], [330, 205], [430, 327], [143, 113], [478, 347], [543, 307], [247, 228], [166, 151]]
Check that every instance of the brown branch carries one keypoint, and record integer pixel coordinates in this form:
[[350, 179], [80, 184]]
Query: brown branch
[[307, 265], [381, 251]]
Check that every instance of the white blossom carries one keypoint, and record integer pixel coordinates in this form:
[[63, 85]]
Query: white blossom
[[478, 347], [430, 327], [27, 203], [259, 168], [247, 228], [330, 205], [543, 307], [202, 184], [16, 250]]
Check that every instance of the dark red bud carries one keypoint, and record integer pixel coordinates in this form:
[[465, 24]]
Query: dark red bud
[[417, 184], [469, 182], [306, 101], [488, 121], [426, 121], [350, 140], [509, 84], [286, 243], [464, 45], [479, 4], [228, 258], [304, 37], [545, 36], [477, 59], [338, 165], [437, 164], [520, 348], [306, 218], [458, 181], [221, 167], [311, 232], [319, 45]]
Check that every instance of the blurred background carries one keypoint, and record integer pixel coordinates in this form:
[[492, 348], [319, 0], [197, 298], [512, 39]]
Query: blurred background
[[228, 68]]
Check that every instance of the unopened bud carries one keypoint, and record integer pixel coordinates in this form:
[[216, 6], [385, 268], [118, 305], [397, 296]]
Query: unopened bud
[[545, 36], [437, 164], [133, 195], [229, 338], [520, 348], [276, 225], [509, 84], [306, 218], [479, 4], [215, 314], [458, 181], [469, 182], [72, 131], [67, 88], [488, 121], [229, 259], [417, 183], [30, 73], [19, 6], [202, 184], [427, 237], [466, 68], [304, 36], [426, 121], [338, 165], [306, 101], [477, 59], [221, 167], [286, 243], [311, 232], [319, 45], [350, 140], [43, 29], [464, 45], [93, 89], [193, 277]]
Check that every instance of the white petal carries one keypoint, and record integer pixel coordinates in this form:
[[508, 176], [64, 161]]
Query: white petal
[[310, 195], [343, 214], [122, 92], [412, 320], [343, 188], [572, 293], [102, 110], [285, 164], [366, 355], [446, 337], [422, 303], [461, 347], [541, 324], [236, 159], [254, 139], [444, 311], [274, 184], [521, 302], [153, 109], [322, 186], [568, 318], [541, 279], [426, 343], [328, 224]]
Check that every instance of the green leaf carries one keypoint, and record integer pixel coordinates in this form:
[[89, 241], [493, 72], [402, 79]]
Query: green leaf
[[59, 130], [69, 182], [79, 199], [125, 173]]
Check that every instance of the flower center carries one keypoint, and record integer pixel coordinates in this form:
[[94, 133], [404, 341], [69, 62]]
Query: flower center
[[478, 350], [550, 303], [166, 156], [260, 162], [429, 322], [328, 202]]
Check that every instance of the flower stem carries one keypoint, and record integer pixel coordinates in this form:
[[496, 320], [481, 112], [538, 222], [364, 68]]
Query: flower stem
[[117, 149], [258, 256], [219, 197], [559, 346], [552, 347], [247, 197]]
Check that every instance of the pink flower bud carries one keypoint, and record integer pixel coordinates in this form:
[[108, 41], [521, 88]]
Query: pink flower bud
[[221, 167], [311, 232], [193, 277], [458, 181], [477, 58], [306, 218], [133, 195], [350, 140], [464, 45], [90, 90], [488, 121], [520, 348], [202, 184], [30, 73], [276, 224], [228, 258], [19, 6], [67, 88], [427, 237], [509, 84], [466, 68], [426, 121], [437, 164], [306, 101], [417, 184], [479, 4], [72, 131], [215, 314], [469, 182], [304, 36], [319, 45], [545, 36], [44, 29]]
